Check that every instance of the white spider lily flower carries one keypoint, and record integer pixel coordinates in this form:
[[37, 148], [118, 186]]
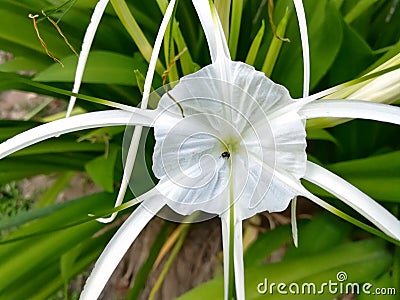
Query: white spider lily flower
[[230, 142]]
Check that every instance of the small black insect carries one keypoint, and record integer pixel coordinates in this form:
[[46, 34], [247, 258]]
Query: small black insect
[[225, 154]]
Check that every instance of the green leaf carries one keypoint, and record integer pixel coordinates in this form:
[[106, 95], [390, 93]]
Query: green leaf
[[101, 169], [358, 9], [59, 145], [311, 241], [386, 284], [22, 63], [102, 67], [265, 244], [46, 264], [57, 215], [134, 30], [354, 56], [48, 275], [9, 128], [51, 194], [236, 18], [360, 260], [144, 271], [68, 260], [325, 38], [276, 44], [321, 134], [13, 81], [20, 30], [14, 168], [255, 45], [377, 176], [49, 244]]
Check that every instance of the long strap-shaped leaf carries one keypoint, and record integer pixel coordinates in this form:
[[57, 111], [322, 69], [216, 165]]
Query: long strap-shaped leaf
[[76, 123], [120, 243]]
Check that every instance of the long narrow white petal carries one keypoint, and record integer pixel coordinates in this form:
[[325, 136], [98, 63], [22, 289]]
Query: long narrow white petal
[[76, 123], [343, 190], [225, 249], [86, 45], [238, 257], [133, 147], [301, 17], [352, 109], [305, 46], [212, 29], [294, 222], [353, 197], [119, 244]]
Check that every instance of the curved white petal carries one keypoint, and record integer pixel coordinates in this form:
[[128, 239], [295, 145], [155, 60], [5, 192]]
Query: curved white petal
[[271, 189], [351, 109], [119, 244], [237, 253], [134, 144], [366, 206], [353, 197], [293, 219], [301, 17], [76, 123], [225, 226], [86, 45], [245, 90], [213, 31], [238, 256]]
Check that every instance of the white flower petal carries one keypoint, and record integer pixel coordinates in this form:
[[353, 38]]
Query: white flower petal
[[119, 244], [133, 147], [351, 109], [290, 143], [263, 189], [301, 17], [238, 257], [202, 187], [225, 226], [293, 218], [76, 123], [156, 52], [246, 97], [353, 197], [212, 29], [86, 45], [345, 192]]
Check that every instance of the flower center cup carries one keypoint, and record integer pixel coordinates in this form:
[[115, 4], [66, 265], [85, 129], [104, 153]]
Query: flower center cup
[[225, 139]]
